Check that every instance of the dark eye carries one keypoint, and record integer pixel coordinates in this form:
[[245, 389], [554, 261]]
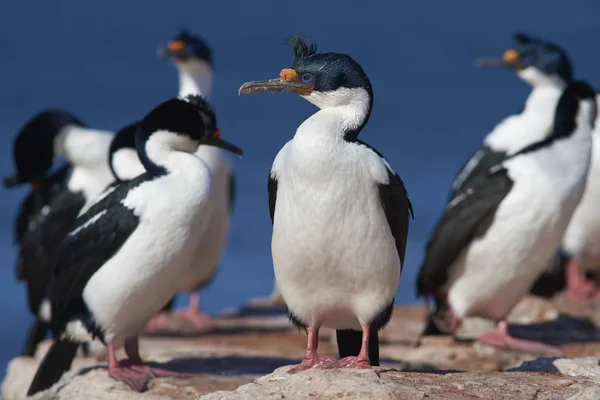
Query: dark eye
[[189, 50], [307, 78]]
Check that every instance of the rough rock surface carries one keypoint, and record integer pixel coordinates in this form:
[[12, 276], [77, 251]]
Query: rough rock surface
[[381, 383], [252, 343]]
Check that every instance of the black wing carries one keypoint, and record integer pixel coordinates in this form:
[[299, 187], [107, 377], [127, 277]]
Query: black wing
[[39, 246], [468, 216], [272, 187], [398, 208], [395, 202], [479, 163], [232, 191], [49, 187], [94, 238]]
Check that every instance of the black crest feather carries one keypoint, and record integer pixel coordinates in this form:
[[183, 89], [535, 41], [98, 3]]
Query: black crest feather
[[302, 49], [204, 107]]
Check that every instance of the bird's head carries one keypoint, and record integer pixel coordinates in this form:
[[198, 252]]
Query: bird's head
[[324, 79], [535, 61], [34, 149], [177, 124], [190, 53]]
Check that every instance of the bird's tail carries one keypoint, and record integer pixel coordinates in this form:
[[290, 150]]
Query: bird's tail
[[37, 333], [56, 362], [553, 279], [349, 343], [436, 315]]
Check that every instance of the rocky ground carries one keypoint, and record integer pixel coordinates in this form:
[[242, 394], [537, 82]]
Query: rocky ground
[[247, 354]]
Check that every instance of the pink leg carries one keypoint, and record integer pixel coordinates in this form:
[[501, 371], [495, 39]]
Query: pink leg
[[454, 320], [192, 314], [132, 351], [362, 360], [158, 323], [122, 371], [579, 288], [501, 338], [311, 358]]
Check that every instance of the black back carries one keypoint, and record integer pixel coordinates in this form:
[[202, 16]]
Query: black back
[[47, 188], [89, 245], [39, 247], [467, 217], [480, 163]]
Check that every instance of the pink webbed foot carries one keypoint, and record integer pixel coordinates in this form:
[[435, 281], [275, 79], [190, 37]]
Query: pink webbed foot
[[159, 372], [316, 362], [353, 362], [197, 319], [579, 288], [135, 379], [500, 338], [311, 358]]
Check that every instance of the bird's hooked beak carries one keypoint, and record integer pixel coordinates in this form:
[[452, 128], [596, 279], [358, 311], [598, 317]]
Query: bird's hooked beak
[[511, 59], [288, 81], [214, 139], [174, 49], [12, 181]]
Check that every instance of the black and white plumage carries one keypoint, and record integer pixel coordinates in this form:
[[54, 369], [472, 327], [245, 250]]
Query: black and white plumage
[[193, 60], [49, 135], [340, 213], [123, 159], [126, 255], [580, 248], [547, 69], [499, 232]]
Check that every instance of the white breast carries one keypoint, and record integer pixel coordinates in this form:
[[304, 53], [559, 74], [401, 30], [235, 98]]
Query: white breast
[[582, 238], [496, 270], [147, 271], [533, 124], [334, 257], [212, 243]]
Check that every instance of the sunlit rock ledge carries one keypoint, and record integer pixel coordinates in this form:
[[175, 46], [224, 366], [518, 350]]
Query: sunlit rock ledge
[[247, 354]]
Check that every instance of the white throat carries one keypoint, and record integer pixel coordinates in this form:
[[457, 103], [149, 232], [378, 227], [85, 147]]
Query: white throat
[[195, 77], [534, 122], [165, 149], [342, 110], [126, 164]]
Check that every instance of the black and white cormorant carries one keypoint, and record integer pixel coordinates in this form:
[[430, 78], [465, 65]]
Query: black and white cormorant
[[193, 59], [545, 67], [48, 212], [126, 256], [497, 235], [340, 213]]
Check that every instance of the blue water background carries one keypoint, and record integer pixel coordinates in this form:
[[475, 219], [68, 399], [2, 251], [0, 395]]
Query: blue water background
[[432, 107]]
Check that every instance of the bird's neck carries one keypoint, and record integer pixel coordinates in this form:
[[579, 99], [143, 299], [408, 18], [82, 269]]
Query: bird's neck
[[343, 121], [83, 147], [543, 98], [195, 82], [164, 152], [125, 164]]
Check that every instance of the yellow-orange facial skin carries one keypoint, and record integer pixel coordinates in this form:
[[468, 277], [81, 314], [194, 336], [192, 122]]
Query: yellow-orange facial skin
[[176, 45], [511, 56], [289, 74]]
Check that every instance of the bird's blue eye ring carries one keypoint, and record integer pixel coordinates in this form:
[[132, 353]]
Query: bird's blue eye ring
[[527, 60], [307, 78]]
